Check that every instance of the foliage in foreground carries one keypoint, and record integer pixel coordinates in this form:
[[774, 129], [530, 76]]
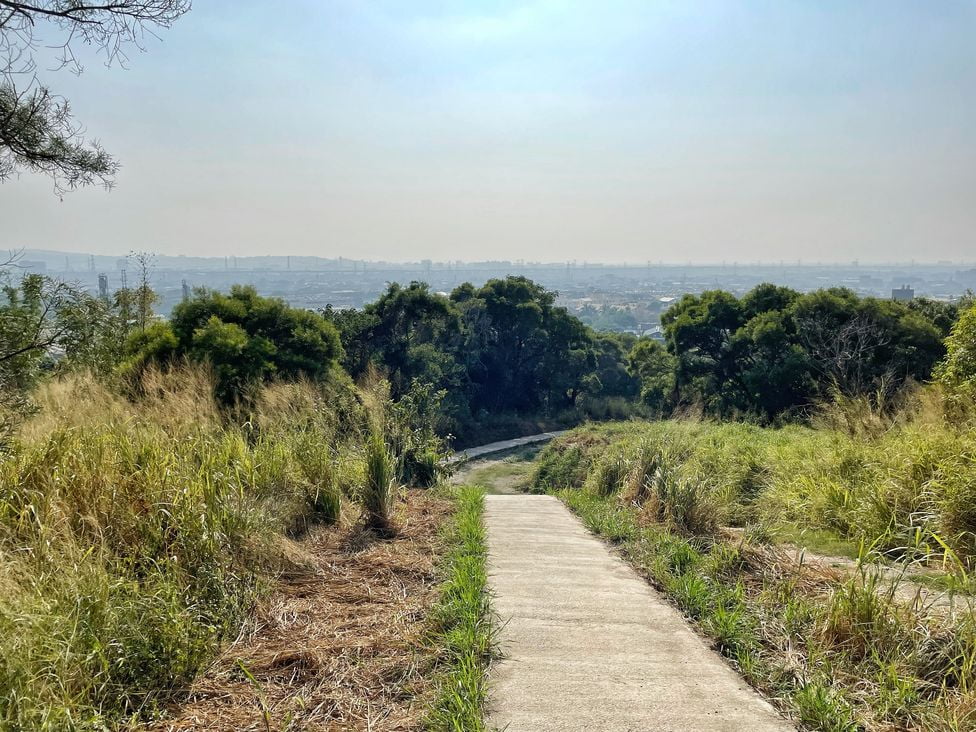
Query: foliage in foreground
[[462, 623], [135, 536]]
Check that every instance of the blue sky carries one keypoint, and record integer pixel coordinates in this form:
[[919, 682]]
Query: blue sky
[[551, 130]]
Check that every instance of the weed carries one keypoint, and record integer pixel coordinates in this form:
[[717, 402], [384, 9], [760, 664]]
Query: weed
[[380, 489]]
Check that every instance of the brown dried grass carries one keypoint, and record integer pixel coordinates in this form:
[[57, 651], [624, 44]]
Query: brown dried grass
[[338, 644]]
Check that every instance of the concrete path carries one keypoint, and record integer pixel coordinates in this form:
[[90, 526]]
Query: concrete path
[[588, 645], [473, 452]]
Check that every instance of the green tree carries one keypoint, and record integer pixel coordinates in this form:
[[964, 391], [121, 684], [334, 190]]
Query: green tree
[[48, 326], [958, 371], [522, 353], [245, 337], [698, 331], [775, 351], [654, 368], [611, 353], [943, 315], [412, 335], [354, 328], [775, 371], [861, 345]]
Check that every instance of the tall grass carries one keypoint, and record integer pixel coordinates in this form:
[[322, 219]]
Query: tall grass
[[907, 490], [136, 534], [380, 488]]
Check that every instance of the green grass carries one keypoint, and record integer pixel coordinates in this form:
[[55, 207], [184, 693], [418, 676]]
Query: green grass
[[137, 533], [380, 489], [462, 622], [818, 541], [504, 473], [907, 491], [837, 655]]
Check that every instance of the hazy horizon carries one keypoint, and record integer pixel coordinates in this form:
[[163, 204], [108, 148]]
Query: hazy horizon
[[539, 131]]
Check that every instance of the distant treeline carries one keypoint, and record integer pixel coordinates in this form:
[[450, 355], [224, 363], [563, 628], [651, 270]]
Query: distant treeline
[[497, 359], [499, 352], [506, 349], [775, 352]]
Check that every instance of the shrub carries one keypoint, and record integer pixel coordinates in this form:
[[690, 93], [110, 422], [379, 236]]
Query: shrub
[[608, 474], [656, 483]]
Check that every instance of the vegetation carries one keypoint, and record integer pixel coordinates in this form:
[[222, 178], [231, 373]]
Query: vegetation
[[246, 339], [152, 470], [503, 355], [958, 372], [905, 490], [837, 653], [136, 536], [775, 352], [37, 132], [874, 647], [463, 624]]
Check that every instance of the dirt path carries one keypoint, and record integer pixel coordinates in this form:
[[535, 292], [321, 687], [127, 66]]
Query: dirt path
[[588, 645], [907, 586]]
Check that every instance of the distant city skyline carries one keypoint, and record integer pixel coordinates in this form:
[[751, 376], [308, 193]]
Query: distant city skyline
[[546, 131], [26, 252]]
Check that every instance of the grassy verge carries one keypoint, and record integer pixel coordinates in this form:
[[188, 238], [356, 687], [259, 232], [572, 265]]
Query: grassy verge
[[462, 622], [907, 491], [138, 532], [838, 651]]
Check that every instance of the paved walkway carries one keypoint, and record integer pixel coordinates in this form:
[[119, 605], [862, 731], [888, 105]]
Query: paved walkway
[[473, 452], [588, 645]]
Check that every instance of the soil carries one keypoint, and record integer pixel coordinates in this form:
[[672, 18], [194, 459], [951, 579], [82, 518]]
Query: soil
[[338, 645]]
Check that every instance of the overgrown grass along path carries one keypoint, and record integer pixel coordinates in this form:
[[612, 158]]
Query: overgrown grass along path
[[838, 649]]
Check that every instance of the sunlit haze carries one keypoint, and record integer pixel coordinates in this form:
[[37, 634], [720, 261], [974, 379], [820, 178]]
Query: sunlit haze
[[550, 131]]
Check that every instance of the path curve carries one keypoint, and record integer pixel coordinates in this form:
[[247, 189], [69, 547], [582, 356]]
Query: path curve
[[473, 452], [589, 645]]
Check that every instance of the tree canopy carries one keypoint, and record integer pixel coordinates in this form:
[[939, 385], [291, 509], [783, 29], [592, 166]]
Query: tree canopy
[[37, 130], [245, 338], [775, 350]]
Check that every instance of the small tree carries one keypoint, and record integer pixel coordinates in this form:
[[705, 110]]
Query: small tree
[[46, 325], [144, 297], [958, 371]]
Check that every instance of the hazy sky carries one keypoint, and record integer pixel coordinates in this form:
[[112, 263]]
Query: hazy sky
[[550, 130]]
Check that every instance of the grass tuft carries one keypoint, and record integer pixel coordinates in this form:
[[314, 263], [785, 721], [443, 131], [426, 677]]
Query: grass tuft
[[462, 622], [380, 489]]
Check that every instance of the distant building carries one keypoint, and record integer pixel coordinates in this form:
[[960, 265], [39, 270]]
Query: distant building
[[903, 294]]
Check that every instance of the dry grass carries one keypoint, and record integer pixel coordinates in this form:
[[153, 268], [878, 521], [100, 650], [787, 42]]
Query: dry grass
[[339, 644]]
